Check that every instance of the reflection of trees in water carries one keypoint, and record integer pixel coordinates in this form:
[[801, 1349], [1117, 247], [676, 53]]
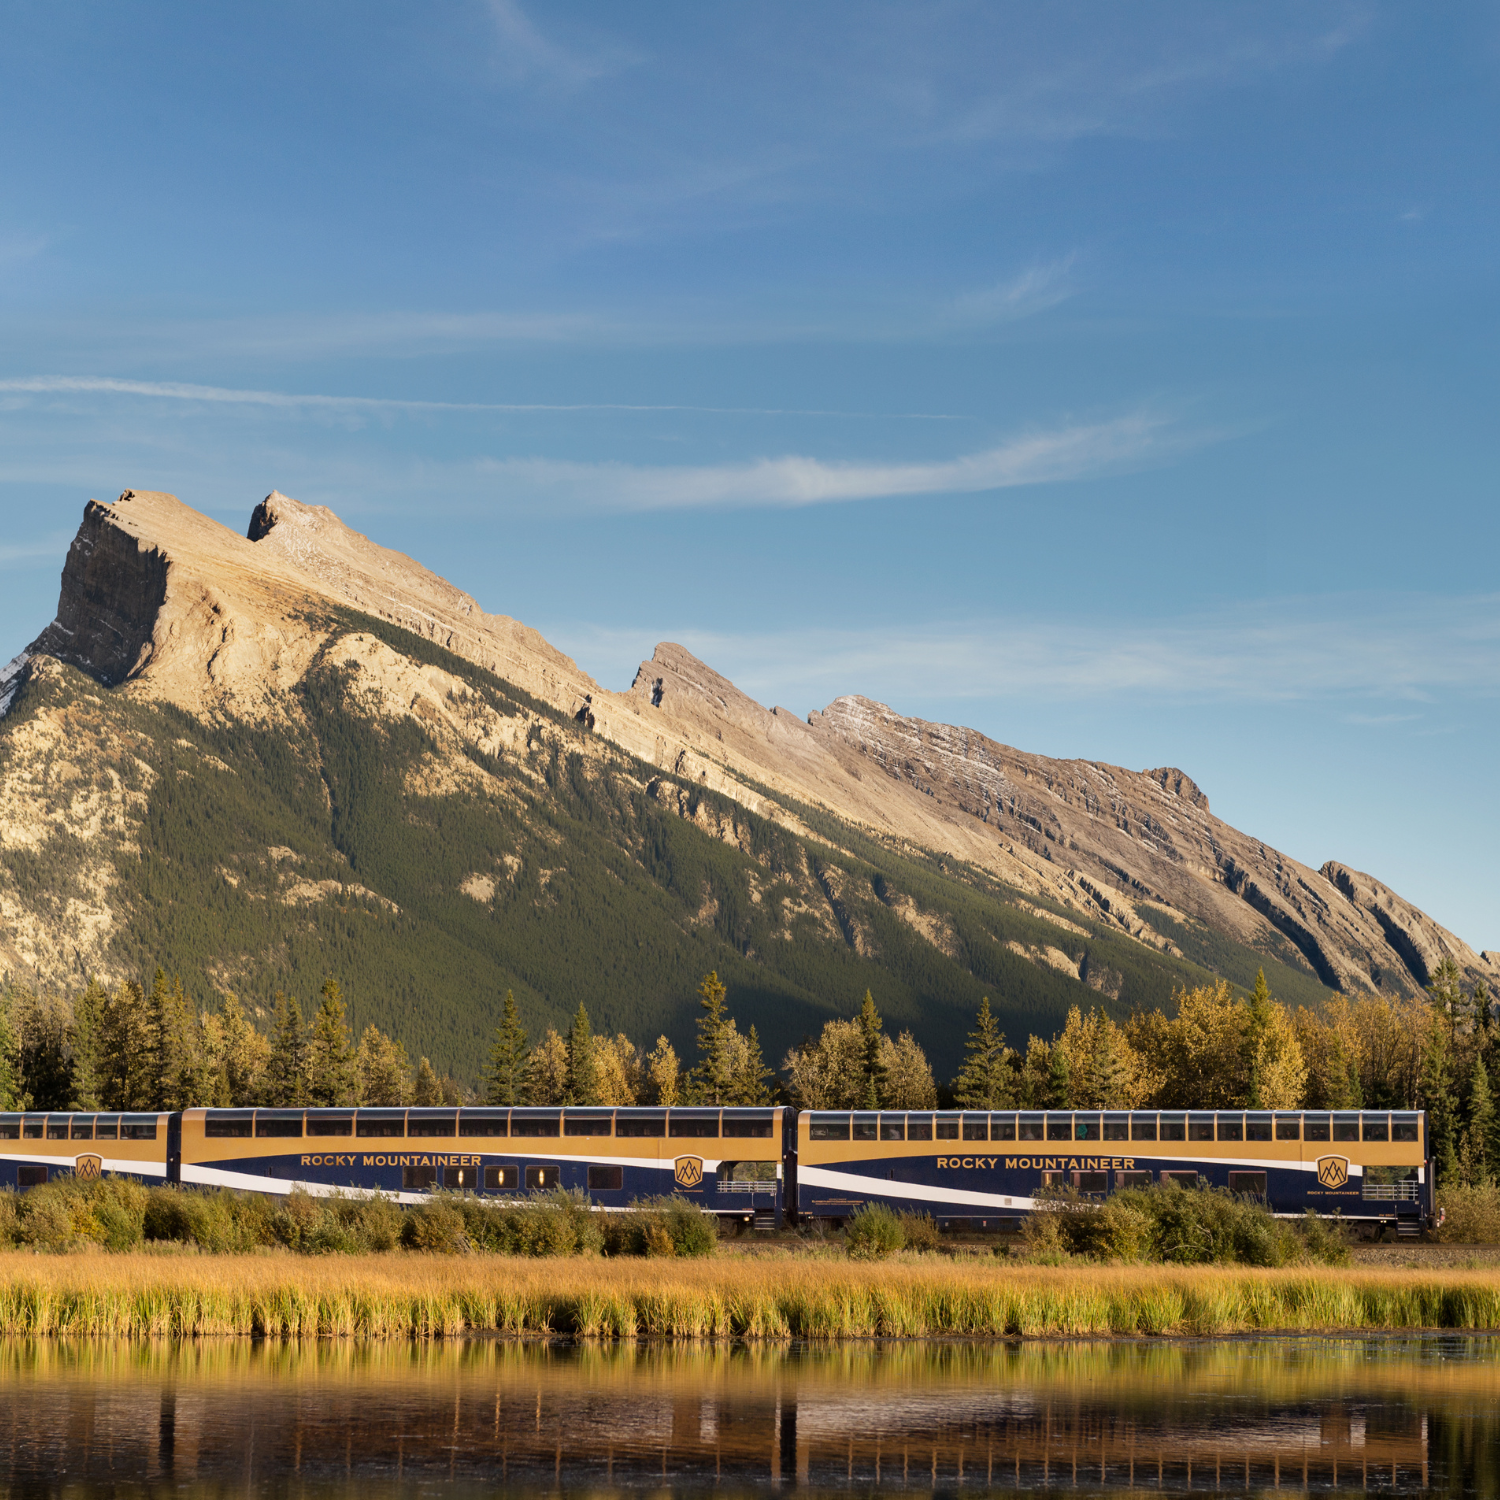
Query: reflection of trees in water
[[1345, 1413]]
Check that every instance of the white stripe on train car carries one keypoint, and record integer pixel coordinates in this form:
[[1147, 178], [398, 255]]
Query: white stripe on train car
[[122, 1164], [881, 1187]]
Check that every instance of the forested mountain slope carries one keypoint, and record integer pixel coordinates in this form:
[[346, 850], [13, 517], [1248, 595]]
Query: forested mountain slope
[[260, 760]]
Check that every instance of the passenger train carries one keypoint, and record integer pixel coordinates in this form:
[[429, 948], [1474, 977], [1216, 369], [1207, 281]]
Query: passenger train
[[969, 1170]]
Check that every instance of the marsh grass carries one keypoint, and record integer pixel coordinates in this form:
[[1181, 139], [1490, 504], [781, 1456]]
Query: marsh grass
[[94, 1293]]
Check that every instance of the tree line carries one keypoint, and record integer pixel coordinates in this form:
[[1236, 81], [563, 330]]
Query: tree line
[[138, 1049]]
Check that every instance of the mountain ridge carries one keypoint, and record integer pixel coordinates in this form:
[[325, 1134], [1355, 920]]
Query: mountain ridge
[[166, 607]]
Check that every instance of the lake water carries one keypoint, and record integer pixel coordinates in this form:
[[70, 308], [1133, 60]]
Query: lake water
[[228, 1418]]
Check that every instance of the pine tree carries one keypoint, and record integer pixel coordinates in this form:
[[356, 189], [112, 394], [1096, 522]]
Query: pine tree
[[1481, 1124], [985, 1080], [332, 1075], [874, 1069], [1257, 1022], [428, 1090], [384, 1073], [750, 1081], [1059, 1081], [285, 1081], [510, 1059], [121, 1070], [1436, 1097], [663, 1074], [9, 1095], [168, 1055], [243, 1055], [711, 1080], [583, 1067], [88, 1021]]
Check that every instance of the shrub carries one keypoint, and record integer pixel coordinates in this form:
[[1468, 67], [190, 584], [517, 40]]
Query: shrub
[[661, 1227], [920, 1231], [436, 1225], [1471, 1215], [1324, 1240], [873, 1233]]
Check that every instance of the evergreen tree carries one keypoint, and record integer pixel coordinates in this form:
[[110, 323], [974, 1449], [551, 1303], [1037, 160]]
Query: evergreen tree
[[1257, 1023], [333, 1077], [384, 1073], [120, 1070], [243, 1055], [88, 1024], [285, 1082], [750, 1081], [873, 1067], [663, 1074], [712, 1079], [1436, 1097], [428, 1091], [9, 1095], [1482, 1125], [985, 1080], [1059, 1081], [583, 1066], [510, 1059], [44, 1055], [168, 1054]]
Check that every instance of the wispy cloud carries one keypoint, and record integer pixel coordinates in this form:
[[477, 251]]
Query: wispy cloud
[[526, 54], [1037, 458], [172, 390], [33, 553], [1395, 651], [1035, 290]]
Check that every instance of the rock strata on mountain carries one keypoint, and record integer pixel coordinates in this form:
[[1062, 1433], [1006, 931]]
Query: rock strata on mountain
[[163, 608]]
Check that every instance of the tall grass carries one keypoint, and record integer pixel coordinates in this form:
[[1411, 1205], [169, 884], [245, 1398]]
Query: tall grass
[[431, 1296]]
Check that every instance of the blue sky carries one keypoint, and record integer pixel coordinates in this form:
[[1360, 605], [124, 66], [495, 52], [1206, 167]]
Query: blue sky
[[1120, 381]]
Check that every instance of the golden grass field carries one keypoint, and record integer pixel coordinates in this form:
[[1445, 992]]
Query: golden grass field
[[419, 1296]]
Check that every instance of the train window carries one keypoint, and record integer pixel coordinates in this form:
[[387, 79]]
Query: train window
[[460, 1179], [1117, 1127], [633, 1124], [384, 1122], [534, 1122], [1404, 1128], [1231, 1127], [107, 1128], [1029, 1128], [742, 1126], [1248, 1184], [976, 1127], [1376, 1128], [10, 1127], [865, 1128], [589, 1122], [30, 1176], [893, 1127], [1132, 1179], [428, 1122], [828, 1128], [1346, 1127], [1315, 1127], [278, 1122], [501, 1179], [472, 1122], [691, 1124], [1182, 1179], [221, 1123], [606, 1179], [1085, 1127], [1002, 1127], [1091, 1182], [57, 1128], [32, 1128], [1257, 1127], [1054, 1179], [417, 1179], [1200, 1127], [1143, 1127], [320, 1124], [946, 1128], [919, 1127], [1288, 1127], [1173, 1127], [137, 1127], [1059, 1127], [746, 1171], [541, 1179]]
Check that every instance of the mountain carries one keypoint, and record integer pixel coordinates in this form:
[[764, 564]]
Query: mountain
[[260, 759]]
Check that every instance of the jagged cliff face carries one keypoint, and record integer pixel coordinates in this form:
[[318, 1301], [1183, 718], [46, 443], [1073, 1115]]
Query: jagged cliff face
[[163, 608]]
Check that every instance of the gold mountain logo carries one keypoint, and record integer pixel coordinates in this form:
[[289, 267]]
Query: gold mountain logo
[[88, 1168], [688, 1170], [1333, 1171]]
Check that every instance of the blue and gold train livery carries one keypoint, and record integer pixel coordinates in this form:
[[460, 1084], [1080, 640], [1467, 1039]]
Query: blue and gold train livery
[[727, 1160], [35, 1148], [987, 1170]]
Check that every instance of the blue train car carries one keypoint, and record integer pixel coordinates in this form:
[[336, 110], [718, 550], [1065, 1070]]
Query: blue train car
[[36, 1148], [987, 1170], [727, 1160]]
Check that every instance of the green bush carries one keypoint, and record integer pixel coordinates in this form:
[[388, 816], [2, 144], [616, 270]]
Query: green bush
[[920, 1231], [1324, 1240], [873, 1233], [437, 1225], [1471, 1215]]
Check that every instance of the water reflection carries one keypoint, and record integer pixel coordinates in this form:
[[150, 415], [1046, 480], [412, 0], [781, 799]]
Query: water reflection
[[234, 1418]]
